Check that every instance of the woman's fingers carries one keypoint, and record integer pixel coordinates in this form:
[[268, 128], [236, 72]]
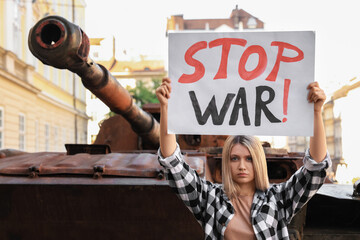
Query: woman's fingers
[[315, 92], [316, 95], [167, 88], [164, 90]]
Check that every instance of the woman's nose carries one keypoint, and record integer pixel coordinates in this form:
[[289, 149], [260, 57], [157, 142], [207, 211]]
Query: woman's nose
[[241, 165]]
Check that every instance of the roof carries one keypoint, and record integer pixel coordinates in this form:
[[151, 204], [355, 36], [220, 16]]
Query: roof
[[177, 22], [193, 24]]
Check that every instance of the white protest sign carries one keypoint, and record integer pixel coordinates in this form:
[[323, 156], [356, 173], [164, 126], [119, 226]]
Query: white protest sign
[[241, 83]]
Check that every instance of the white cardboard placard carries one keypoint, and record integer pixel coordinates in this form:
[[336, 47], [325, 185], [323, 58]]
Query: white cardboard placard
[[241, 83]]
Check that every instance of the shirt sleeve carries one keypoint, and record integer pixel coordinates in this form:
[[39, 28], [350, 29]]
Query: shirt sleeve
[[293, 194], [187, 184]]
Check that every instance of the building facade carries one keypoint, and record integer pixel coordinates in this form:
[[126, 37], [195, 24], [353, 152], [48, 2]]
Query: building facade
[[41, 107]]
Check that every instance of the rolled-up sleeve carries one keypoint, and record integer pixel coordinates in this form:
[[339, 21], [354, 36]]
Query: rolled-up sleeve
[[172, 160], [311, 165]]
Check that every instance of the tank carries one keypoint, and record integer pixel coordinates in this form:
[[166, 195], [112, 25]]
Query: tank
[[115, 188]]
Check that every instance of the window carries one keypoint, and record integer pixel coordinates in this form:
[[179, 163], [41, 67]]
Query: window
[[56, 77], [76, 88], [1, 127], [36, 135], [71, 135], [329, 130], [21, 132], [328, 113], [85, 133], [337, 128], [83, 93], [70, 15], [47, 137], [56, 139], [64, 138], [17, 28], [46, 72], [207, 26], [70, 82], [251, 23], [331, 149], [62, 10], [63, 79]]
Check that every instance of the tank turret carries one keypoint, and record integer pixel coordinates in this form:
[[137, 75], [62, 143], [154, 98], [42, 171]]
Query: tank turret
[[62, 44]]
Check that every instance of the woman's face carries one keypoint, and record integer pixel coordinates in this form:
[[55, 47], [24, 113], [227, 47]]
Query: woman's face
[[242, 169]]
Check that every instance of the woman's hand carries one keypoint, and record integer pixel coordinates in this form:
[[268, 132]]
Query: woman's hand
[[163, 91], [316, 95]]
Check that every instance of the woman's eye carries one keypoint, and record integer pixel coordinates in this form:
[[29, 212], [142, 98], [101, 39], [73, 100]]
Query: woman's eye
[[249, 159], [234, 158]]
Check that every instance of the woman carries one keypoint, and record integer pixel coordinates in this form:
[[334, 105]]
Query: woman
[[244, 206]]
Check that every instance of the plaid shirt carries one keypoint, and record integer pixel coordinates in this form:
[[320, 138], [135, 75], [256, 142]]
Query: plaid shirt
[[271, 210]]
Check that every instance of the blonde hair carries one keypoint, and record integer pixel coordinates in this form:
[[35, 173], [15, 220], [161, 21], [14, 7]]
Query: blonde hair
[[258, 158]]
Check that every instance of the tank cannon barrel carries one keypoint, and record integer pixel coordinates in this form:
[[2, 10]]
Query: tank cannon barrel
[[62, 44]]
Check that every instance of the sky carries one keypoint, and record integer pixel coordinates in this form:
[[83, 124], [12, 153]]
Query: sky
[[139, 27]]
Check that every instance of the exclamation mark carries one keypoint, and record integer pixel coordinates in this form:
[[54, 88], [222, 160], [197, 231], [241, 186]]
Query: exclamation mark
[[286, 96]]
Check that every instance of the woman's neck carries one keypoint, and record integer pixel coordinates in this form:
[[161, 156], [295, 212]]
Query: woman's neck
[[247, 189]]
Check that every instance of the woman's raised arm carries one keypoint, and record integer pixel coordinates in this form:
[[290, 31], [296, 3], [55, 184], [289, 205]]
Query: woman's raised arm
[[318, 141], [167, 141]]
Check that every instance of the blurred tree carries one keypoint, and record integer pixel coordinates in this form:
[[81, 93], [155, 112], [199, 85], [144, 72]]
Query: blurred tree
[[145, 93]]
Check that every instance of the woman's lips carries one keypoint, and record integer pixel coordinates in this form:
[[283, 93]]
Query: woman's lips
[[242, 174]]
